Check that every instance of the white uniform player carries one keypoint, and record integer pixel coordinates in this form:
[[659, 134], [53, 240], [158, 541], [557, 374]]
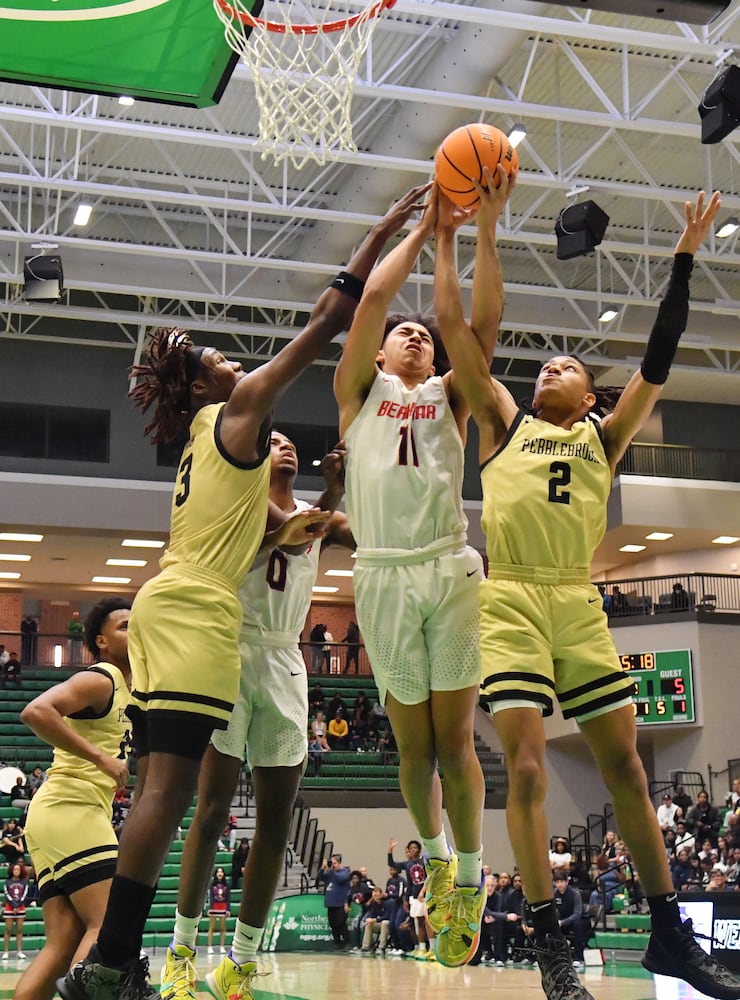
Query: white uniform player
[[415, 580], [270, 716]]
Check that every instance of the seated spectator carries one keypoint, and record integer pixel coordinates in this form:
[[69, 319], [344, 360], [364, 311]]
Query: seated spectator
[[732, 799], [238, 861], [573, 922], [13, 844], [11, 671], [606, 601], [733, 872], [316, 700], [337, 704], [318, 731], [14, 911], [681, 870], [20, 795], [696, 879], [377, 712], [669, 839], [619, 604], [683, 837], [679, 598], [560, 856], [609, 879], [681, 799], [227, 840], [377, 915], [337, 735], [362, 707], [667, 813], [486, 949], [708, 851], [703, 819], [315, 755], [512, 930], [717, 880], [358, 736], [387, 746], [38, 777], [724, 851], [608, 848]]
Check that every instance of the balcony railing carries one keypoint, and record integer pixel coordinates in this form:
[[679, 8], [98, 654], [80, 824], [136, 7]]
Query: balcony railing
[[681, 462], [654, 595]]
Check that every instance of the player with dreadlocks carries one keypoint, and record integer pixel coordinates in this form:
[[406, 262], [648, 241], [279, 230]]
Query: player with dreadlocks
[[184, 629], [546, 480]]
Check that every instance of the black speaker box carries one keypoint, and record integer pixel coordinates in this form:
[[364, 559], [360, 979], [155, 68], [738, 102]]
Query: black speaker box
[[720, 106], [579, 229], [43, 278], [691, 11]]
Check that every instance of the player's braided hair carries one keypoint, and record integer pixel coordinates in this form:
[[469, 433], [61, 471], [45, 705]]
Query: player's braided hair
[[171, 363], [607, 396]]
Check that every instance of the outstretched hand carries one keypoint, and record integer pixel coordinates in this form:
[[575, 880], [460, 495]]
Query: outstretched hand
[[492, 198], [698, 222], [399, 214], [332, 466], [303, 527], [448, 214]]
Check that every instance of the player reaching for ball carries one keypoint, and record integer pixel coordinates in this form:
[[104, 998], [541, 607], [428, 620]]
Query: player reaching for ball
[[415, 578], [546, 479]]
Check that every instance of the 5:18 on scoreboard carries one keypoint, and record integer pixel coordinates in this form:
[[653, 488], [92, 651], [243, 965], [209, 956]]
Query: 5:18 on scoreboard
[[664, 688]]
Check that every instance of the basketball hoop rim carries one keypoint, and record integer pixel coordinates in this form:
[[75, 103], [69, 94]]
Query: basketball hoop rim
[[305, 29]]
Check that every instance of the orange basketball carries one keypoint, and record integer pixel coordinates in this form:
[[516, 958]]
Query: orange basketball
[[463, 155]]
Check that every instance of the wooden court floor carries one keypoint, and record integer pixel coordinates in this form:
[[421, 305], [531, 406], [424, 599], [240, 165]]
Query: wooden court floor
[[352, 977]]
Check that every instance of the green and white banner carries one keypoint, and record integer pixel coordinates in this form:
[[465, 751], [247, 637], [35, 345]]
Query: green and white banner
[[299, 923]]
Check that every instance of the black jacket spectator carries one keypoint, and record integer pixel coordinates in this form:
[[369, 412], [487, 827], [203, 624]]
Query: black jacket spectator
[[703, 819]]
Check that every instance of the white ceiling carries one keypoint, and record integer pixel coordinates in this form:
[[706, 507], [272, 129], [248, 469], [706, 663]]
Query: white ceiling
[[191, 226]]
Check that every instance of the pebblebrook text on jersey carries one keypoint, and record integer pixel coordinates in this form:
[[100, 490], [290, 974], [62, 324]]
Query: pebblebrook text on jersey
[[563, 449]]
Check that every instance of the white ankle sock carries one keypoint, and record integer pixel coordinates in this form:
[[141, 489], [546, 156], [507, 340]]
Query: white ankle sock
[[469, 868], [436, 847], [186, 930], [246, 942]]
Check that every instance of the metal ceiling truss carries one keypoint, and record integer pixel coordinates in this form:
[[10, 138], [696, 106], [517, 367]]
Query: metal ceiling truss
[[234, 238]]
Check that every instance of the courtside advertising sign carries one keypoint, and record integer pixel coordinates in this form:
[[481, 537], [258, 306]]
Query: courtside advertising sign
[[172, 51]]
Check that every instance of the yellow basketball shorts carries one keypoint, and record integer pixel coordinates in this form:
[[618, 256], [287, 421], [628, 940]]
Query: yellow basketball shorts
[[70, 837], [541, 641], [184, 652]]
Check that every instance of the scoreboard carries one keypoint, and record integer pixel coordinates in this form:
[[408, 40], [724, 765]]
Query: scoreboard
[[664, 687]]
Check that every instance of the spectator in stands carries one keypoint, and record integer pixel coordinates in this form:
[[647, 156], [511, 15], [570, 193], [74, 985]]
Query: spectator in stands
[[318, 730], [680, 600], [510, 931], [362, 707], [703, 819], [326, 649], [724, 851], [395, 892], [337, 735], [619, 604], [608, 848], [560, 856], [733, 872], [681, 870], [13, 844], [316, 700], [378, 913], [717, 880], [387, 745], [416, 875], [29, 640], [606, 601], [377, 715], [20, 795], [335, 876], [316, 644], [732, 799], [75, 631], [669, 839], [238, 861], [608, 880], [218, 909], [358, 736], [14, 911], [352, 638], [681, 799], [667, 813], [11, 671], [683, 837], [227, 840], [337, 704], [4, 656], [486, 947], [572, 920], [38, 777]]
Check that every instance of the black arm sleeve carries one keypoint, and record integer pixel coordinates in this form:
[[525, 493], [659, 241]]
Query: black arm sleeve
[[670, 323]]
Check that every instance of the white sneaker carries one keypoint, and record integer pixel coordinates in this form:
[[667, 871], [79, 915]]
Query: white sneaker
[[6, 956], [21, 955], [209, 950]]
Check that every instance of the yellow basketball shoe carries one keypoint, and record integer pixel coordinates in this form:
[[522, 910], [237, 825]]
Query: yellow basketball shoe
[[439, 887], [178, 974], [458, 940], [231, 981]]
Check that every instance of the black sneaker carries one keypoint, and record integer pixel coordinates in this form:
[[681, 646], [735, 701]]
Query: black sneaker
[[676, 952], [559, 979], [91, 980]]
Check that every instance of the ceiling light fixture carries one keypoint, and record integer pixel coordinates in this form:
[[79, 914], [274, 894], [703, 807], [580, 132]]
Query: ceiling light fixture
[[608, 314], [725, 540], [82, 215], [19, 536], [126, 101], [727, 228], [10, 576], [659, 536], [325, 590], [632, 548], [125, 562], [517, 133], [316, 462], [111, 579], [339, 572], [142, 543], [12, 557]]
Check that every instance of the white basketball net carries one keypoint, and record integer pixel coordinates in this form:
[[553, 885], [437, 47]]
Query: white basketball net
[[304, 62]]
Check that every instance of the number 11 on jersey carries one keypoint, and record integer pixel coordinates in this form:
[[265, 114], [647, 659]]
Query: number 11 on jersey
[[407, 440]]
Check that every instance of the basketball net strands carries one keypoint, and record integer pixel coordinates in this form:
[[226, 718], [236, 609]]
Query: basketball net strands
[[303, 70]]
